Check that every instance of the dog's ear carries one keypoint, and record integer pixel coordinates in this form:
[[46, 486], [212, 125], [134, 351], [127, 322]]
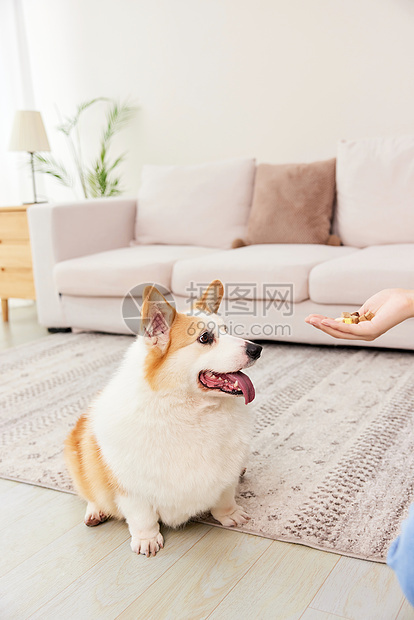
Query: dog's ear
[[210, 300], [157, 317]]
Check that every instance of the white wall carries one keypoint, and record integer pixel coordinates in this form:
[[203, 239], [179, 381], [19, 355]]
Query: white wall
[[16, 92], [281, 80]]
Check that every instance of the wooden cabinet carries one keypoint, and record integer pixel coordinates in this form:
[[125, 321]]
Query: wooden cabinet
[[16, 274]]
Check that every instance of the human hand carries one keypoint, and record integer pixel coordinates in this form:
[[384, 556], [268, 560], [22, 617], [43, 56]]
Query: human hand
[[390, 307]]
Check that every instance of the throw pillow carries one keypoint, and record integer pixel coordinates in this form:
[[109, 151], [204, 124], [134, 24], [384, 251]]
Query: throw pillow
[[206, 205], [292, 203], [375, 185]]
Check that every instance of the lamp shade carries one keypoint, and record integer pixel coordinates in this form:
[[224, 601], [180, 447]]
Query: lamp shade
[[28, 133]]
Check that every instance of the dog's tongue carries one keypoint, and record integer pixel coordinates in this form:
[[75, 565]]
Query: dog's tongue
[[245, 385]]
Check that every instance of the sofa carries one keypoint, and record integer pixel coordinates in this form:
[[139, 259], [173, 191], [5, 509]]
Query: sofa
[[189, 226]]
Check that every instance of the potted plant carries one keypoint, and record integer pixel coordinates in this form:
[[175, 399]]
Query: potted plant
[[101, 177]]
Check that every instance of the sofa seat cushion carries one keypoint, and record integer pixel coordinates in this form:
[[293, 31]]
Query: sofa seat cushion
[[114, 273], [353, 279], [255, 271]]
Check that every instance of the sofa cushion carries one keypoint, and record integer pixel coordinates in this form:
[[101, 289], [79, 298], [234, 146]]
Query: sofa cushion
[[205, 205], [375, 191], [259, 268], [114, 273], [353, 279], [292, 203]]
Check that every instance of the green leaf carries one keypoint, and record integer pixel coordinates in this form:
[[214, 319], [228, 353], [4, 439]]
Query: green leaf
[[48, 165], [70, 123], [116, 163], [117, 117]]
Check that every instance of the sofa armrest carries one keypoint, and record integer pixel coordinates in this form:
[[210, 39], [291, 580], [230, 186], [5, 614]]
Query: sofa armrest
[[62, 231]]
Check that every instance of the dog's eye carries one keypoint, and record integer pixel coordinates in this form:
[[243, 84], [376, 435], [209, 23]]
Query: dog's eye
[[206, 338]]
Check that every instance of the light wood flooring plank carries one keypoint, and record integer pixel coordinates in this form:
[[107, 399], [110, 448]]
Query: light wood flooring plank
[[200, 579], [20, 500], [314, 614], [5, 485], [35, 528], [281, 585], [118, 579], [46, 573], [406, 611], [360, 590]]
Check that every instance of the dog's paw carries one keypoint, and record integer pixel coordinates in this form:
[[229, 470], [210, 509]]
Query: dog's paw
[[94, 517], [147, 546], [236, 518]]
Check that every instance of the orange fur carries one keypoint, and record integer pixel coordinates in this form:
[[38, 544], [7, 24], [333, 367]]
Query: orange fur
[[184, 331], [92, 478], [210, 300]]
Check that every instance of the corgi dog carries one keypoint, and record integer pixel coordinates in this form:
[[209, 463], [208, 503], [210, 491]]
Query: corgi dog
[[168, 436]]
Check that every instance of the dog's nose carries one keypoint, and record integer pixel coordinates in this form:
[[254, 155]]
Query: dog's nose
[[253, 350]]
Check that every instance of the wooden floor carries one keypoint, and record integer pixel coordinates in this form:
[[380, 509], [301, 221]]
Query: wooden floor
[[53, 566]]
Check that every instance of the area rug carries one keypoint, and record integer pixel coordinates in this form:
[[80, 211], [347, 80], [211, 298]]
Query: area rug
[[332, 459]]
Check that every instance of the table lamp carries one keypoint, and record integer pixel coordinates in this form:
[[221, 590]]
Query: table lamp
[[29, 135]]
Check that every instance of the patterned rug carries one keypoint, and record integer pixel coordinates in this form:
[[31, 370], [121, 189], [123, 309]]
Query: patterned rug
[[332, 460]]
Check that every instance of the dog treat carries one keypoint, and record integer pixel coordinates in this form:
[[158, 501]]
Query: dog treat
[[354, 317], [369, 315], [348, 317]]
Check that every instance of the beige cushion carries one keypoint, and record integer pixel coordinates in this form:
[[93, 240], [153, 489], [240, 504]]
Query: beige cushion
[[292, 203], [375, 191], [260, 268], [114, 273], [353, 279], [205, 205]]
